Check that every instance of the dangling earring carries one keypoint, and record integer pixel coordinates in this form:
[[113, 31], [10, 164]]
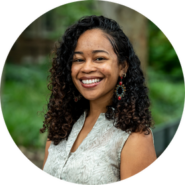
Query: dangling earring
[[121, 87], [76, 98]]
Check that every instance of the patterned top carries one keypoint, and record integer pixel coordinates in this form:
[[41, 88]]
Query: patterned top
[[97, 159]]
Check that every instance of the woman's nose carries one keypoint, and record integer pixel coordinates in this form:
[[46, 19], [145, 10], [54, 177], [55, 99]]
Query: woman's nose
[[88, 66]]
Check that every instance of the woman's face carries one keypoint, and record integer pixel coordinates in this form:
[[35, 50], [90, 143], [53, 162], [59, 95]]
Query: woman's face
[[95, 68]]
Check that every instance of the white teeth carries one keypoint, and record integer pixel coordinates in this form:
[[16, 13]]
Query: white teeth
[[90, 81]]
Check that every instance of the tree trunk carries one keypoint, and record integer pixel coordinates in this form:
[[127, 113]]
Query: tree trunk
[[132, 21]]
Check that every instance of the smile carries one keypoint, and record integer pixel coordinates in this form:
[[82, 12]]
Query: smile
[[90, 81], [91, 84]]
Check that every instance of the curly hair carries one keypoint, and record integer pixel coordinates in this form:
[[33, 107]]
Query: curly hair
[[130, 114]]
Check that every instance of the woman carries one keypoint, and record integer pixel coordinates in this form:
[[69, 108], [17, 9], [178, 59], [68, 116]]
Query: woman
[[98, 117]]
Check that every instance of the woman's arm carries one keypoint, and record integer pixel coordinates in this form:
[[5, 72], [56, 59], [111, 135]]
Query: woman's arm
[[137, 153], [46, 151]]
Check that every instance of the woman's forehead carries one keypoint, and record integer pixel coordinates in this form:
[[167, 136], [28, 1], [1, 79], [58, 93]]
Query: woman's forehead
[[94, 39]]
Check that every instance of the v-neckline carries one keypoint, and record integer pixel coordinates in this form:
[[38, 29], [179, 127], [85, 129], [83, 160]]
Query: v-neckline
[[83, 141]]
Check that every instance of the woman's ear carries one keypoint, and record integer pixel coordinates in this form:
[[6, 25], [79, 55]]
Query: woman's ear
[[126, 66]]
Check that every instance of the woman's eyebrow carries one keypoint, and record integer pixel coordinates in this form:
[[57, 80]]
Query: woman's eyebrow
[[95, 51]]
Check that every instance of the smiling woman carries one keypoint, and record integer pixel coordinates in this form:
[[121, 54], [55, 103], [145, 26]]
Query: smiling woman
[[98, 117]]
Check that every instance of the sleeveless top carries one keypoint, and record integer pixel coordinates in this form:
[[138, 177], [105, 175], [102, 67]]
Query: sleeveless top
[[97, 159]]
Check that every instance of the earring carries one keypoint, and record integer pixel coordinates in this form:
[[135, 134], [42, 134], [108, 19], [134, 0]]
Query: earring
[[120, 87], [76, 98]]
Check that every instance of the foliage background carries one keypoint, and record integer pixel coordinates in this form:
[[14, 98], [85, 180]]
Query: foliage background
[[24, 92], [162, 56]]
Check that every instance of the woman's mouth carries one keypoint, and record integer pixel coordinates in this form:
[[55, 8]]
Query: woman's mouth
[[91, 85]]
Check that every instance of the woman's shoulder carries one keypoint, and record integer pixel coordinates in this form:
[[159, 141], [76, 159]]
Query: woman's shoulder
[[137, 154]]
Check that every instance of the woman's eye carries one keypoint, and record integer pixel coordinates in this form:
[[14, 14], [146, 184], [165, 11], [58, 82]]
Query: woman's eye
[[99, 58], [82, 60], [77, 60]]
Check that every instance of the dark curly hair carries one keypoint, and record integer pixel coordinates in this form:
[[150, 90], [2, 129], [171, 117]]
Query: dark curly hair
[[130, 114]]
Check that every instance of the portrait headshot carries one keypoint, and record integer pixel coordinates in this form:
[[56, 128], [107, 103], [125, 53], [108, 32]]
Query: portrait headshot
[[97, 90], [98, 102]]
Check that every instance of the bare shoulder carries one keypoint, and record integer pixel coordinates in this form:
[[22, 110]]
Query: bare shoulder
[[137, 154], [140, 138]]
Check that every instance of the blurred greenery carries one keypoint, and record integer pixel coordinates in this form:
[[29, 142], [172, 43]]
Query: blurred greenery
[[24, 94], [162, 56], [167, 97], [24, 87], [68, 14]]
